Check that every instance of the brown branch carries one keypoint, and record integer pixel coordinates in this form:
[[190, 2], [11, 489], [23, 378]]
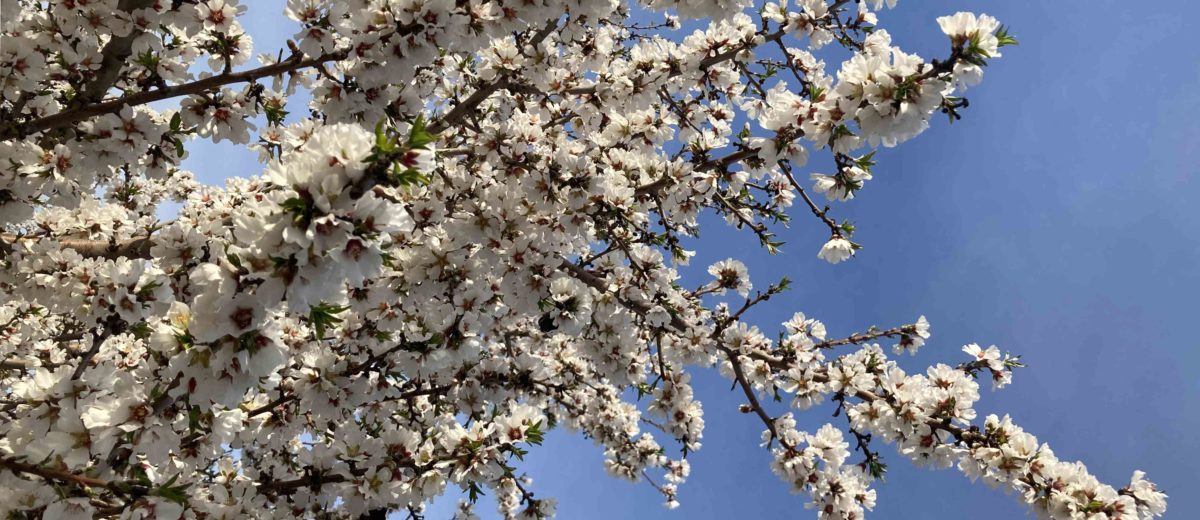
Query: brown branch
[[68, 117], [863, 337], [406, 395], [111, 326], [19, 364], [704, 63], [271, 406], [17, 466], [455, 115], [115, 55], [314, 481], [755, 405], [819, 212], [597, 283], [719, 163], [137, 247]]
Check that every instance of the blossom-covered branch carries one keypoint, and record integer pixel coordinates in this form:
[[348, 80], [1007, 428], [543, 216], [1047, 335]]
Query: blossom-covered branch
[[474, 230]]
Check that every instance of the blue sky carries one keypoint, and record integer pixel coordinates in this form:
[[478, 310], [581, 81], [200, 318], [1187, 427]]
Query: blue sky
[[1056, 220]]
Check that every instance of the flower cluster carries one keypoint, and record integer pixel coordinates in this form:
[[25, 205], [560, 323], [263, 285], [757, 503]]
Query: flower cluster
[[474, 232]]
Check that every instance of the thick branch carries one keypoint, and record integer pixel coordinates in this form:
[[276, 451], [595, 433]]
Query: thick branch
[[406, 395], [455, 115], [751, 397], [116, 54], [138, 247], [68, 117], [595, 282], [17, 466], [113, 325]]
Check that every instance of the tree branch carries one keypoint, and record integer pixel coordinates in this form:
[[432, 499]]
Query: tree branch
[[137, 247], [17, 466], [68, 117], [116, 54], [455, 115]]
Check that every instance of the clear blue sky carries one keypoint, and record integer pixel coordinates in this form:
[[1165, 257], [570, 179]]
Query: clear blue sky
[[1056, 220]]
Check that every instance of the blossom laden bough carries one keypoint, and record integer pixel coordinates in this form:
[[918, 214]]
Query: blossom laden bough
[[474, 232]]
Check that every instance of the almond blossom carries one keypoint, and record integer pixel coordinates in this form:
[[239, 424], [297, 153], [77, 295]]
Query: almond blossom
[[471, 226]]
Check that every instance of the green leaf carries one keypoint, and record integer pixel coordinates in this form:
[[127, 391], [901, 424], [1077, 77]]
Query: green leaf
[[876, 469], [976, 56], [177, 494], [518, 452], [534, 434], [185, 339], [275, 114], [1003, 38], [847, 228], [383, 141], [407, 176], [140, 330], [745, 133], [419, 137], [644, 389], [474, 491], [773, 246], [302, 210], [323, 317], [866, 162], [193, 419], [145, 290]]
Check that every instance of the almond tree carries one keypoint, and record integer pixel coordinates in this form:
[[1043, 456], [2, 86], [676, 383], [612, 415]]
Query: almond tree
[[472, 234]]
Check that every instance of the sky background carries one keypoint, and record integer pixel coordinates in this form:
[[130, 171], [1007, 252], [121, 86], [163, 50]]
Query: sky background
[[1056, 220]]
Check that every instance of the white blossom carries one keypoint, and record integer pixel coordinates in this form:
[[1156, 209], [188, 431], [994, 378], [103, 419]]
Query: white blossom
[[472, 225], [836, 250]]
